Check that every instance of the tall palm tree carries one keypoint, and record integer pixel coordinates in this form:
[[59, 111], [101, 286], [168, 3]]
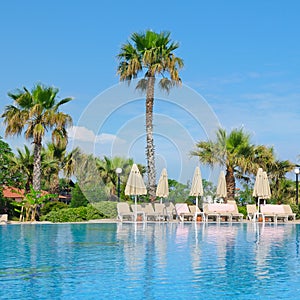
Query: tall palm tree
[[36, 112], [233, 151], [153, 54]]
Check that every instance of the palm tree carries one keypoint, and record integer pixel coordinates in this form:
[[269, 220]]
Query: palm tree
[[263, 157], [86, 171], [232, 151], [9, 175], [23, 162], [36, 112], [277, 174], [107, 169], [58, 160], [152, 53]]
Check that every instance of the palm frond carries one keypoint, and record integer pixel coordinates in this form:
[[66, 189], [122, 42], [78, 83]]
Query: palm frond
[[142, 85], [166, 84]]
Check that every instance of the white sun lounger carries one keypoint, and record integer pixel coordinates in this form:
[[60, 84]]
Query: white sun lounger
[[183, 212], [161, 210], [3, 218], [196, 212], [150, 214], [273, 212], [124, 212], [170, 210], [138, 212], [233, 209], [289, 212], [251, 212]]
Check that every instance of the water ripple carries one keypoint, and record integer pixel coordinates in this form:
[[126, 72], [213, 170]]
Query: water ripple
[[156, 261]]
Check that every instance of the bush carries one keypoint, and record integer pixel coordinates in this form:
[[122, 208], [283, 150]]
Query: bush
[[52, 206], [296, 210], [107, 208], [78, 198], [243, 210], [77, 214]]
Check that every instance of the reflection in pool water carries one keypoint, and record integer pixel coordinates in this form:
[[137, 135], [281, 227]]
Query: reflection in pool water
[[149, 261]]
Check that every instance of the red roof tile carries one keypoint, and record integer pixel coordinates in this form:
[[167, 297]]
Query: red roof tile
[[11, 192]]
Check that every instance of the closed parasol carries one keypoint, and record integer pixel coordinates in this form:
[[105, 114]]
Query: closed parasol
[[162, 189]]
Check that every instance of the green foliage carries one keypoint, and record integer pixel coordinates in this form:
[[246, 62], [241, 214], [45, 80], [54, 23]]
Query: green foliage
[[243, 210], [8, 175], [3, 206], [107, 171], [78, 198], [52, 206], [190, 201], [12, 208], [36, 113], [107, 209], [65, 186], [94, 193], [296, 209], [31, 202], [209, 189], [35, 197], [245, 195], [78, 214], [178, 192]]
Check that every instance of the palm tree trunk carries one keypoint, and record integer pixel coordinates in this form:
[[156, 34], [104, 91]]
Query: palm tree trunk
[[230, 182], [54, 185], [150, 152], [37, 165]]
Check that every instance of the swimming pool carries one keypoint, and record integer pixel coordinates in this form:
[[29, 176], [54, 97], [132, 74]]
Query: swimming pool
[[150, 261]]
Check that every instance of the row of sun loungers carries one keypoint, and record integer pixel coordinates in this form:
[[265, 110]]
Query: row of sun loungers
[[217, 212], [145, 212], [270, 212], [180, 211]]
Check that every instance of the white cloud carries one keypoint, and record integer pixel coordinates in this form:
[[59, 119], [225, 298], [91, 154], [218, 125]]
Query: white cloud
[[105, 138], [80, 133]]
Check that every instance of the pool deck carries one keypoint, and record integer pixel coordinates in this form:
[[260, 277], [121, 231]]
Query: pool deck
[[117, 221]]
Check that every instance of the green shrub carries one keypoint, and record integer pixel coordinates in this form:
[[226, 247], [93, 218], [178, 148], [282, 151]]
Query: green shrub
[[107, 208], [78, 199], [92, 213], [243, 210], [296, 210], [52, 206], [77, 214]]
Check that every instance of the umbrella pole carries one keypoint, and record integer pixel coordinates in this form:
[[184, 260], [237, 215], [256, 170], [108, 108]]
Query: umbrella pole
[[135, 204], [196, 208]]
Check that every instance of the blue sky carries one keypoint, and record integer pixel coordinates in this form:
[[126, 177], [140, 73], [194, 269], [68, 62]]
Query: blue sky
[[241, 57]]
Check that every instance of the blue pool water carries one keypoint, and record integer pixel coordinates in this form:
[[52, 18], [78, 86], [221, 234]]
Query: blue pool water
[[150, 261]]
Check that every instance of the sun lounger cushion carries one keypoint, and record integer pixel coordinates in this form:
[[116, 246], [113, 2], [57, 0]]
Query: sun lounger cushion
[[274, 211]]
